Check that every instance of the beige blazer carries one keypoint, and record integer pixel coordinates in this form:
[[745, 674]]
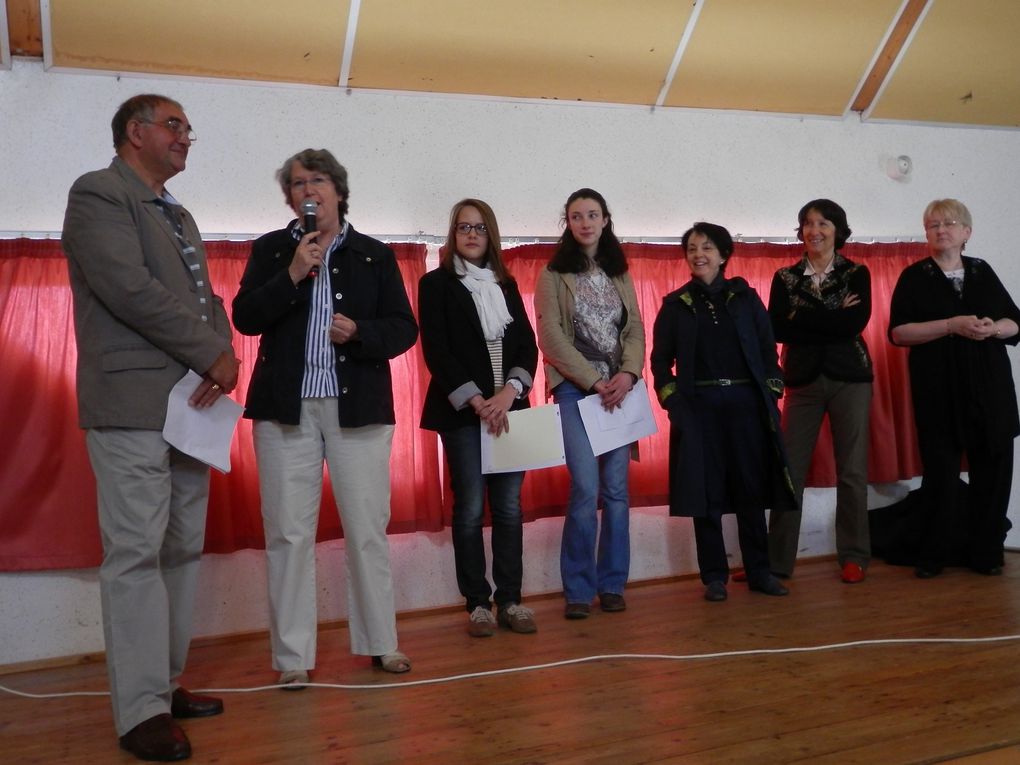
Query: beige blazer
[[554, 309], [137, 306]]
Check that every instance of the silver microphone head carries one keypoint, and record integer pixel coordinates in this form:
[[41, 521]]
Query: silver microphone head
[[309, 207]]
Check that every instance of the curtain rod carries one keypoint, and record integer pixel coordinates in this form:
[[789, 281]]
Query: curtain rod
[[508, 241]]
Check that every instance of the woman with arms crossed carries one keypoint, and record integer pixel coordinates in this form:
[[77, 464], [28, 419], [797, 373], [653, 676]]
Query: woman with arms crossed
[[819, 307]]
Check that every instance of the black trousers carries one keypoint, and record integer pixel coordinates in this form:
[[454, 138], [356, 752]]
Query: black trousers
[[736, 449], [980, 522]]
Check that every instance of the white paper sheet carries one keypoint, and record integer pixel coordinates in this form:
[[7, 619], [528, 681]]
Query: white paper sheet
[[204, 434], [624, 425], [535, 440]]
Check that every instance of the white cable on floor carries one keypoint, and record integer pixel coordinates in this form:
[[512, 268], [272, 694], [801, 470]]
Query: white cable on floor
[[562, 663]]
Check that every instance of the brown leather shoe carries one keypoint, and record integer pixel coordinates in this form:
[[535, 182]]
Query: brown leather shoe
[[577, 610], [184, 703], [612, 602], [158, 739]]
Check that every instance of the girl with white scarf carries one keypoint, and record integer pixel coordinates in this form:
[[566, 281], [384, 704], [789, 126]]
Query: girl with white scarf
[[480, 349]]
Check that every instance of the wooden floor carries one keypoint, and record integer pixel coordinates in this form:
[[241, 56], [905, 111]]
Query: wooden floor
[[890, 703]]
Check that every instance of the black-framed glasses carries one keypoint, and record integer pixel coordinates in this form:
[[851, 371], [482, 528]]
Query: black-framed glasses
[[175, 126], [467, 228]]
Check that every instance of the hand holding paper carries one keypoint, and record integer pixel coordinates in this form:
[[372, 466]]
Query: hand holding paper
[[203, 433]]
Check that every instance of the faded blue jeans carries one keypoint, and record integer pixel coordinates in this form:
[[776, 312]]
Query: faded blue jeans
[[594, 481]]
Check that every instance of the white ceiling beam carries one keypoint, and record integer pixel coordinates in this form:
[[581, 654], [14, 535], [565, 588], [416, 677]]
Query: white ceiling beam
[[352, 31], [679, 54]]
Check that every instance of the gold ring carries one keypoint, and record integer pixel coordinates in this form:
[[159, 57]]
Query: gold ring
[[215, 386]]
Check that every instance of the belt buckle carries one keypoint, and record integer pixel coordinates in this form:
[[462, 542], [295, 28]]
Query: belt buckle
[[724, 381]]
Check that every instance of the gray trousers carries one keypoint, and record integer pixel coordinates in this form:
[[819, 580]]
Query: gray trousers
[[152, 507], [848, 405]]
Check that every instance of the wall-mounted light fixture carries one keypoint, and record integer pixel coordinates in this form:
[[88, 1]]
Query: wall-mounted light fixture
[[899, 168]]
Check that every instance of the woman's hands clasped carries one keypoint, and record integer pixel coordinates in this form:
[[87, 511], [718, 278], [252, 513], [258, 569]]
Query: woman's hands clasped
[[972, 327], [493, 411], [615, 389]]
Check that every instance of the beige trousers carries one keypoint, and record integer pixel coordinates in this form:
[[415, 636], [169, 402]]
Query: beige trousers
[[290, 459]]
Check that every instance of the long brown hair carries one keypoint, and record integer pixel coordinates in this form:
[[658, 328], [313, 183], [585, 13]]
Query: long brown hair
[[569, 259]]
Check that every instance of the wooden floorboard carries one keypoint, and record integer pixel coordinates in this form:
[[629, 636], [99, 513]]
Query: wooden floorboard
[[894, 704]]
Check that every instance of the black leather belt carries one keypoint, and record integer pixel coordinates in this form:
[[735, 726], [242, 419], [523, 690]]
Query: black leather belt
[[722, 382]]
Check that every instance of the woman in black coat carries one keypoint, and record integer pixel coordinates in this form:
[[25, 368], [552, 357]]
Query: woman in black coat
[[957, 318], [717, 375], [480, 350]]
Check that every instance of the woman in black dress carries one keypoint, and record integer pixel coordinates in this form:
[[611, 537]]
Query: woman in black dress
[[957, 318]]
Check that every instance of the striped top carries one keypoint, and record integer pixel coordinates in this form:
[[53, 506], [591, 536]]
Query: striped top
[[496, 357], [320, 380]]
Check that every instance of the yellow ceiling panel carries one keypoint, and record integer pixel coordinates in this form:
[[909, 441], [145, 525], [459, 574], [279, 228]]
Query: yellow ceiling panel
[[301, 41], [963, 66], [792, 56], [585, 50]]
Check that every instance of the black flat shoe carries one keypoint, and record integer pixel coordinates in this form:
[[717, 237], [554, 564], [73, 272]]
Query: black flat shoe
[[770, 586], [715, 592], [991, 571], [927, 572]]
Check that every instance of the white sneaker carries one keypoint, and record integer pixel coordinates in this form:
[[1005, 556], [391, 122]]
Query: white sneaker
[[481, 622]]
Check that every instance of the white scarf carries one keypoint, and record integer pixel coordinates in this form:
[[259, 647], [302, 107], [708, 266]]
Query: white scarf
[[489, 300]]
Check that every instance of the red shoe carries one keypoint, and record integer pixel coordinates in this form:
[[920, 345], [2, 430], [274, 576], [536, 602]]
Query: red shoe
[[852, 573], [740, 576]]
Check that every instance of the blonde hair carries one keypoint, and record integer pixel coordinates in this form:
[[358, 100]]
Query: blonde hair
[[952, 208]]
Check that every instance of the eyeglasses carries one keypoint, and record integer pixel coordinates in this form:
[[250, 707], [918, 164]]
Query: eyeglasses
[[315, 182], [935, 225], [467, 228], [175, 126]]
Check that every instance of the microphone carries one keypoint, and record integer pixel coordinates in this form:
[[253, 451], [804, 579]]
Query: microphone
[[308, 211]]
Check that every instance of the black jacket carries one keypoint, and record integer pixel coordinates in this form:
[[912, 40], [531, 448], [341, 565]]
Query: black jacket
[[366, 286], [674, 341], [819, 336], [455, 349], [962, 390]]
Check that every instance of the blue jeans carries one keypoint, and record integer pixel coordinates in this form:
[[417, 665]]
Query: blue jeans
[[592, 479], [464, 457]]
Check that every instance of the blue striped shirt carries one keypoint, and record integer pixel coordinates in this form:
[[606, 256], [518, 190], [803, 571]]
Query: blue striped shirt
[[320, 379]]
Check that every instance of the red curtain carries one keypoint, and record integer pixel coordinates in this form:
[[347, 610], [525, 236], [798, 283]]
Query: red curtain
[[47, 494], [657, 270]]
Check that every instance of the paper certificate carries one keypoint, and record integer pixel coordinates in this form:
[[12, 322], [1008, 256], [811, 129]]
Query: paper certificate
[[624, 425], [204, 434], [535, 440]]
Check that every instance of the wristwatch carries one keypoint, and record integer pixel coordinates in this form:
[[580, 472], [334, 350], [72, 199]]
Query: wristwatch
[[517, 386]]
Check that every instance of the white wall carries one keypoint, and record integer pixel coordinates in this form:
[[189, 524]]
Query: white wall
[[410, 158]]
